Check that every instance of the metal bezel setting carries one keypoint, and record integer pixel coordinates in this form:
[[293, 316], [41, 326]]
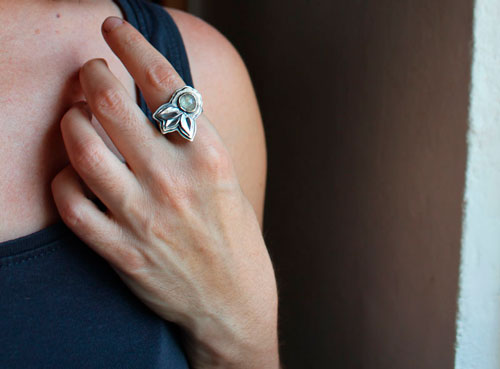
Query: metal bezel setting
[[171, 117]]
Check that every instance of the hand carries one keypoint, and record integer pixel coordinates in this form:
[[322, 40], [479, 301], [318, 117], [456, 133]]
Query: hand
[[178, 229]]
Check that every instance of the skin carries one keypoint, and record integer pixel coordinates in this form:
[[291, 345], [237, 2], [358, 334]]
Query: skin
[[182, 231], [61, 36], [178, 230]]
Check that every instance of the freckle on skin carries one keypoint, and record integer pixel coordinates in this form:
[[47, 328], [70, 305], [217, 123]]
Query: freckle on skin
[[58, 15], [37, 31]]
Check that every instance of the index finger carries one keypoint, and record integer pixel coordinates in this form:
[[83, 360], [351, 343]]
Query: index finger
[[152, 72]]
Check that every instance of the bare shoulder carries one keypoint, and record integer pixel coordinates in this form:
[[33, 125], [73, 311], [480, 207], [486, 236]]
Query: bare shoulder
[[220, 74]]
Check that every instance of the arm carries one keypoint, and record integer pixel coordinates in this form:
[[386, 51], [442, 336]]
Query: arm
[[220, 75]]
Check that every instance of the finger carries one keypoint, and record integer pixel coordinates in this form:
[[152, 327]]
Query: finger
[[152, 72], [106, 176], [83, 217], [124, 122]]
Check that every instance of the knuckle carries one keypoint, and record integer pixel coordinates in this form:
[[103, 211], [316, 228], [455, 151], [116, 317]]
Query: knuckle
[[160, 75], [109, 102], [131, 39], [87, 157], [157, 178], [126, 204], [72, 214], [171, 189], [131, 261], [137, 211], [216, 163]]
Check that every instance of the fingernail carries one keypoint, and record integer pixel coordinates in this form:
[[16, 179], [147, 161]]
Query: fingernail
[[85, 107], [111, 23], [104, 61]]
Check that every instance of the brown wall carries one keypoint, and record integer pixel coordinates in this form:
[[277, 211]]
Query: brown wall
[[365, 107], [179, 4]]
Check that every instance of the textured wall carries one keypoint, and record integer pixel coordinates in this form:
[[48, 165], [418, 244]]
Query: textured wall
[[366, 106], [478, 342]]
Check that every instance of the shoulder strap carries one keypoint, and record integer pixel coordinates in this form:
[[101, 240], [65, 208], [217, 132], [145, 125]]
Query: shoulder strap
[[158, 27]]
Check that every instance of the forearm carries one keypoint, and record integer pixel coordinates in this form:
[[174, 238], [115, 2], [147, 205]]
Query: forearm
[[240, 335]]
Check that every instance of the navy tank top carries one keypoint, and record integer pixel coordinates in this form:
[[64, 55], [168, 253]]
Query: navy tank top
[[61, 304]]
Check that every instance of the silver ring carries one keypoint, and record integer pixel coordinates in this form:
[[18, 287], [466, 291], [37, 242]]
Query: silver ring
[[180, 113]]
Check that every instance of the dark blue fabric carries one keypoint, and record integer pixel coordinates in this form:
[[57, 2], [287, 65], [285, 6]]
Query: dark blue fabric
[[62, 305]]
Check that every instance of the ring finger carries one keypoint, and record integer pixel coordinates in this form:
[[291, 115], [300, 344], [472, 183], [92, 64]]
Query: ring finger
[[106, 176]]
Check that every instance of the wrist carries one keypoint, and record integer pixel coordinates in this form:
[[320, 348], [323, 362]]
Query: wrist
[[216, 342], [237, 353]]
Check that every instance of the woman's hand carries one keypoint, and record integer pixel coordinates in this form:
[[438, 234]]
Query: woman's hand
[[178, 229]]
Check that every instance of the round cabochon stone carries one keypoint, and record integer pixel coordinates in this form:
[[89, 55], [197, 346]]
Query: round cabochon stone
[[187, 102]]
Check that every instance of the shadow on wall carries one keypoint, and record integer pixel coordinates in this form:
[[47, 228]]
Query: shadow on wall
[[365, 108]]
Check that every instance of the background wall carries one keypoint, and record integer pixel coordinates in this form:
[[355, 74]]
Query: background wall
[[478, 340], [365, 106], [179, 4]]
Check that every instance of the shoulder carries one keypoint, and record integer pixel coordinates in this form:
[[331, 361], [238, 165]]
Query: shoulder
[[220, 74], [213, 59], [202, 39]]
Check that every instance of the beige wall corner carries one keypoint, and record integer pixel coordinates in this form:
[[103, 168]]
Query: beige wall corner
[[478, 340]]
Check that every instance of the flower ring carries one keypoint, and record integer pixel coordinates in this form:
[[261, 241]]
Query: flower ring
[[180, 113]]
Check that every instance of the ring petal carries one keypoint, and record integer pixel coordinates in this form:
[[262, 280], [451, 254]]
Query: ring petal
[[167, 112], [187, 127], [169, 126]]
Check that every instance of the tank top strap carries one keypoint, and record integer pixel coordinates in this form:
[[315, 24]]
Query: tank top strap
[[158, 27]]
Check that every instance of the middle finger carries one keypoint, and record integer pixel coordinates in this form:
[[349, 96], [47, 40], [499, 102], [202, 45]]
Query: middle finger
[[124, 122]]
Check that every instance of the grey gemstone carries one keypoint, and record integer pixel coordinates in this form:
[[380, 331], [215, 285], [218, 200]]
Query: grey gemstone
[[187, 102]]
